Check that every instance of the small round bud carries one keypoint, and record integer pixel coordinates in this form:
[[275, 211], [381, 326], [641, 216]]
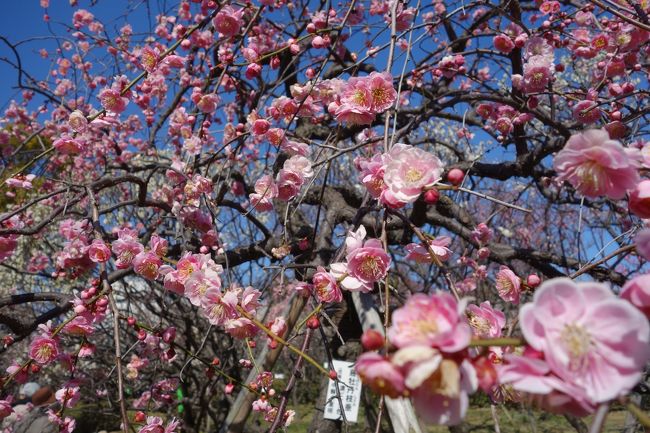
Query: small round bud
[[333, 375], [372, 340], [533, 281], [455, 176], [431, 196], [313, 322]]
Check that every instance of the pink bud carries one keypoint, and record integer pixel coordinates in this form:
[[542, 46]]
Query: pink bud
[[533, 281], [431, 196], [455, 176]]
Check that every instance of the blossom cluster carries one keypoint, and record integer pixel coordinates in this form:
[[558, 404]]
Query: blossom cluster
[[399, 176]]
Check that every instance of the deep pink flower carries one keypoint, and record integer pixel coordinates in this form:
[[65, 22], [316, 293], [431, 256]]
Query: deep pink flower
[[508, 285], [149, 59], [68, 145], [642, 243], [113, 101], [596, 165], [380, 374], [147, 264], [431, 320], [126, 249], [503, 43], [486, 322], [595, 341], [586, 112], [382, 92], [44, 350], [5, 408], [640, 199], [409, 170], [325, 286], [99, 252], [637, 291], [228, 21]]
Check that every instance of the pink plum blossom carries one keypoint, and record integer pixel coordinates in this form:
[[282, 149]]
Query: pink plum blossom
[[44, 350], [508, 285], [486, 322], [67, 145], [422, 254], [367, 262], [113, 101], [380, 374], [99, 252], [431, 320], [409, 170], [228, 21], [595, 341], [640, 199], [637, 292], [325, 286], [596, 165]]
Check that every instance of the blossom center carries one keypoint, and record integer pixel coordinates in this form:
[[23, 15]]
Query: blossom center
[[371, 268], [577, 342], [413, 175]]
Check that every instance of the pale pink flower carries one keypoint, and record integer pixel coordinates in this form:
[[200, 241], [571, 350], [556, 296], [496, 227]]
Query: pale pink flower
[[325, 286], [68, 145], [537, 74], [409, 170], [68, 396], [372, 174], [20, 181], [590, 338], [486, 322], [422, 254], [439, 387], [301, 165], [596, 165], [265, 191], [44, 350], [78, 121], [380, 374], [367, 262], [508, 285], [198, 285], [158, 245], [431, 320], [98, 251], [208, 103], [288, 183], [637, 292], [533, 376]]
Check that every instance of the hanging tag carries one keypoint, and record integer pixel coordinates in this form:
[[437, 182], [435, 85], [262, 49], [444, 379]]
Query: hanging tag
[[350, 390]]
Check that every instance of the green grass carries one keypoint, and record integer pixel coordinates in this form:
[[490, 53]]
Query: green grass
[[479, 420]]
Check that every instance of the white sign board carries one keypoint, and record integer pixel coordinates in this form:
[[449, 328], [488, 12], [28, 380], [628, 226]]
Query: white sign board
[[350, 389]]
